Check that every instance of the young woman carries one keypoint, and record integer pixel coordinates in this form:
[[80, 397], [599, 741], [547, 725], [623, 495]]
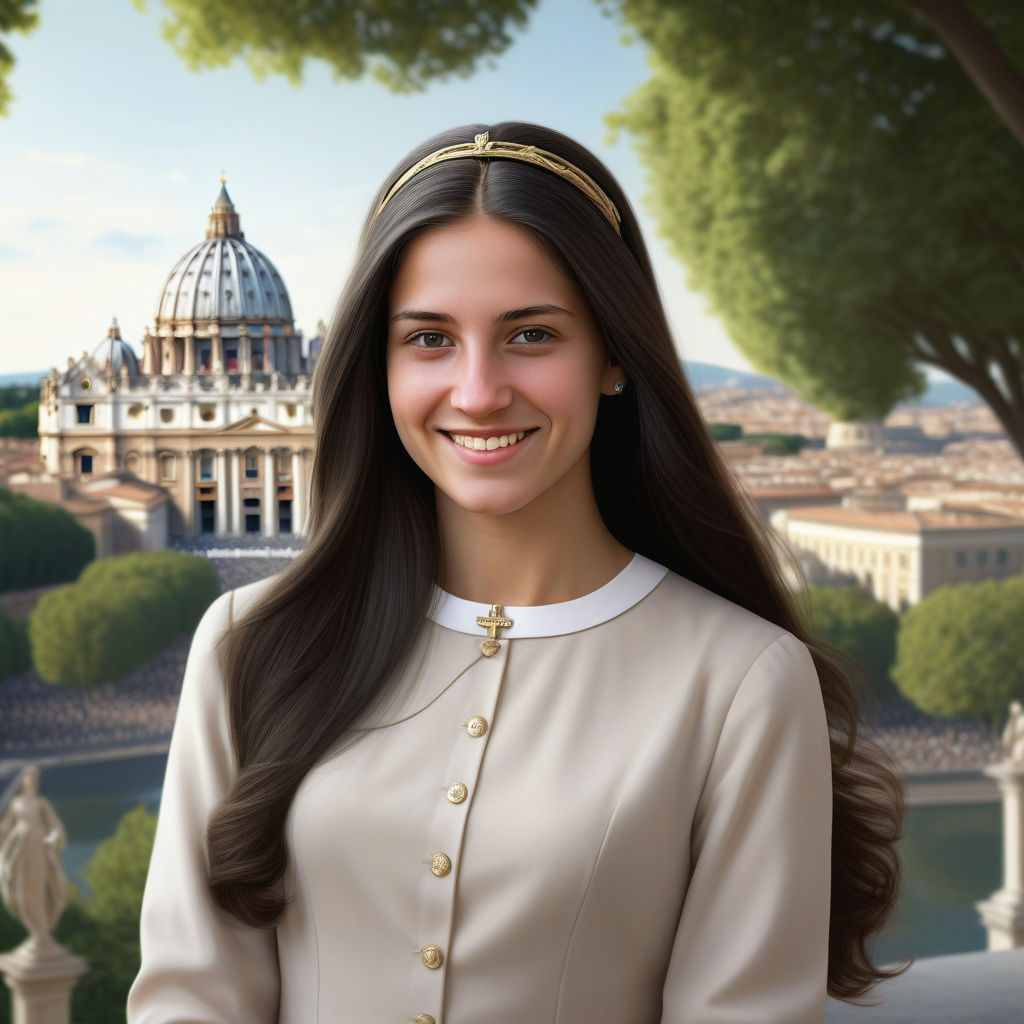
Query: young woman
[[531, 731]]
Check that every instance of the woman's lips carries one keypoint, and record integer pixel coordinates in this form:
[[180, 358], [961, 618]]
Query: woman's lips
[[490, 448]]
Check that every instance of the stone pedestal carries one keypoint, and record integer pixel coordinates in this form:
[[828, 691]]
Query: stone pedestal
[[1003, 912], [40, 977]]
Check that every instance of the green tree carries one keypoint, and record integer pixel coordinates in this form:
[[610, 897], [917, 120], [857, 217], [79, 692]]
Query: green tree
[[779, 444], [20, 422], [838, 187], [403, 43], [15, 16], [15, 396], [39, 543], [959, 651], [725, 431], [851, 619], [14, 651], [121, 612]]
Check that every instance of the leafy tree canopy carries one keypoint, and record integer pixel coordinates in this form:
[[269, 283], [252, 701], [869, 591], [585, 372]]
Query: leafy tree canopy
[[960, 649], [15, 16], [841, 191], [404, 43], [851, 619]]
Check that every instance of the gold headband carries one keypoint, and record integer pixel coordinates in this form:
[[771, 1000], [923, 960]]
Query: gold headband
[[481, 147]]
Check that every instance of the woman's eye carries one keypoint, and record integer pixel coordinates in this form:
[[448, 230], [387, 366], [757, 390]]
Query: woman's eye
[[533, 335], [429, 339]]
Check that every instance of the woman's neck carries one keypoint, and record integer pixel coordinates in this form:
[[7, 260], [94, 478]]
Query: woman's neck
[[555, 549]]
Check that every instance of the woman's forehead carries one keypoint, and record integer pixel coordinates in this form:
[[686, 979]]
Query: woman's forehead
[[479, 262]]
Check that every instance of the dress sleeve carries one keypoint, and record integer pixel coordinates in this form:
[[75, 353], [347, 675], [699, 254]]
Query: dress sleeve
[[199, 963], [752, 941]]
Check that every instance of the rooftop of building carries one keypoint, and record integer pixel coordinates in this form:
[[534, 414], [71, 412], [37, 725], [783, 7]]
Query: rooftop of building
[[908, 520]]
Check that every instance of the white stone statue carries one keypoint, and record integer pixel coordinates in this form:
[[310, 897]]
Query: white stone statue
[[1013, 733], [32, 880]]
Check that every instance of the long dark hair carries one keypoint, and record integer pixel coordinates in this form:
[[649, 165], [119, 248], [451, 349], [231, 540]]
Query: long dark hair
[[322, 643]]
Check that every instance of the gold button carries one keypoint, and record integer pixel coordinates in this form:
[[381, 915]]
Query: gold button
[[457, 792], [432, 957], [490, 648], [476, 726], [440, 864], [424, 1018]]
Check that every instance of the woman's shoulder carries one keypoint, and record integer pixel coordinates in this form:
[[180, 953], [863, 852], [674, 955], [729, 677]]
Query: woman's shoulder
[[229, 607], [234, 603], [695, 616]]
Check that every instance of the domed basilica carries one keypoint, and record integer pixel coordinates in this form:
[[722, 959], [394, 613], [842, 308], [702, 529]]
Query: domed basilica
[[217, 413]]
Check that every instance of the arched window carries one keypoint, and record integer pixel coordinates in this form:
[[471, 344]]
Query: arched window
[[85, 461]]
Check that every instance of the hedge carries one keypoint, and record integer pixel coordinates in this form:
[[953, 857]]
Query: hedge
[[14, 653], [119, 614], [725, 431], [39, 543]]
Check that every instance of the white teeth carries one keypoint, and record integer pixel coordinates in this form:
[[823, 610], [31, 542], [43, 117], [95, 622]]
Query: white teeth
[[487, 444]]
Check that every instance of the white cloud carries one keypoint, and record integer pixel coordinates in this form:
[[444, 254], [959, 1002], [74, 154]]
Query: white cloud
[[176, 176], [58, 159]]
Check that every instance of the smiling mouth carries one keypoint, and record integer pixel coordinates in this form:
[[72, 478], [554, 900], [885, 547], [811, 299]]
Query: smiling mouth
[[489, 444]]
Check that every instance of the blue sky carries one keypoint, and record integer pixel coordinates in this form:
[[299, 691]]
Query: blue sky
[[110, 157]]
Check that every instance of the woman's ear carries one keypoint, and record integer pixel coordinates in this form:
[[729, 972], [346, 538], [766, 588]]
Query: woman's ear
[[613, 380]]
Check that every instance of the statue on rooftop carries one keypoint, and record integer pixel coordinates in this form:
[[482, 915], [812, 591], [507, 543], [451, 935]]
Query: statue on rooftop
[[32, 880], [1013, 733]]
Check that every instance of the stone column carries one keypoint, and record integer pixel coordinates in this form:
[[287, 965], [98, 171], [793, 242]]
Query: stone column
[[188, 474], [1002, 913], [298, 494], [222, 491], [190, 356], [216, 353], [268, 349], [269, 518], [237, 523]]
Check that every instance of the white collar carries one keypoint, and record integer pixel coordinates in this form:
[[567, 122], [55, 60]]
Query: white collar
[[631, 585]]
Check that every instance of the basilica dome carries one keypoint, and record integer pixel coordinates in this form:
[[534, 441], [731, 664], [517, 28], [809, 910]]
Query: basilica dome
[[224, 279], [112, 353]]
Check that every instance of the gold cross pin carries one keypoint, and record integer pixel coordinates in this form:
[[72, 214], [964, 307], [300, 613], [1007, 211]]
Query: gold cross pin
[[492, 622]]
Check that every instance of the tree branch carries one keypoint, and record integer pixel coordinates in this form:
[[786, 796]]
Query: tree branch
[[979, 55]]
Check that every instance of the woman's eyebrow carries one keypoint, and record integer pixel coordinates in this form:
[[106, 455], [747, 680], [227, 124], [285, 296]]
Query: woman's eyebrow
[[522, 313], [527, 311], [414, 314]]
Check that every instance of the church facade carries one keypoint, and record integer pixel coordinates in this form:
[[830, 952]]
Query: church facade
[[216, 412]]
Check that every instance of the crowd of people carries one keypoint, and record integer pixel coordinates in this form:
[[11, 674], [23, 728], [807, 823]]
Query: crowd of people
[[40, 719]]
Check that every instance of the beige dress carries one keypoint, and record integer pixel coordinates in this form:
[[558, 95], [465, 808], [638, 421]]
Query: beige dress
[[621, 817]]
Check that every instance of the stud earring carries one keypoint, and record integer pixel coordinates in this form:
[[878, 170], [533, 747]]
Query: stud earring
[[619, 386]]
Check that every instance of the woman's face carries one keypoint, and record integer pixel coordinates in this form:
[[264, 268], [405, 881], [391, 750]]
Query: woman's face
[[494, 366]]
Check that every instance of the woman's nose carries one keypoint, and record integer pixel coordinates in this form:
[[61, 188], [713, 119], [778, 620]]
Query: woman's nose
[[480, 386]]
